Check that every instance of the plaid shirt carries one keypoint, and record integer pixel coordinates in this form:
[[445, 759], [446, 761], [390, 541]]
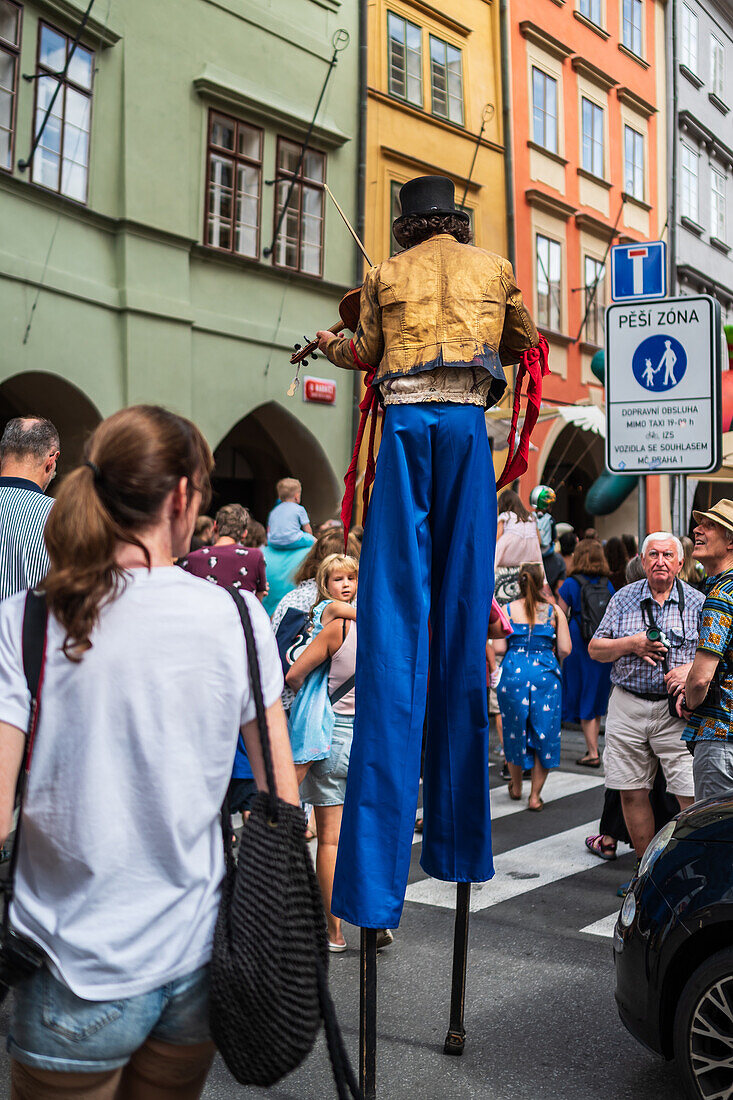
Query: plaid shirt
[[624, 616], [711, 721]]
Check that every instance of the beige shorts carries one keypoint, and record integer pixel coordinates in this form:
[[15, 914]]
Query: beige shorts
[[640, 735]]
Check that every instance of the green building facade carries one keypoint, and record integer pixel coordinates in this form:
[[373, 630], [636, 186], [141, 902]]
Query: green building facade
[[134, 260]]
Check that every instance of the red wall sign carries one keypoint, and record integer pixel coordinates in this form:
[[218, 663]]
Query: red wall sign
[[320, 390]]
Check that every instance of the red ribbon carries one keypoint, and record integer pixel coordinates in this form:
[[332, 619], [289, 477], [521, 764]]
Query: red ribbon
[[369, 404], [535, 366]]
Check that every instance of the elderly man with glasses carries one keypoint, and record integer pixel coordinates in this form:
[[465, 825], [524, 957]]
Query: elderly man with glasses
[[706, 697], [649, 627]]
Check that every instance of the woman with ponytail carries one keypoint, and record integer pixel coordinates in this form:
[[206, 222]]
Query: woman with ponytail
[[120, 858], [529, 690]]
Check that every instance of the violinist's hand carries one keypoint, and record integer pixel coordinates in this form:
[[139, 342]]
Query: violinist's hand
[[324, 339]]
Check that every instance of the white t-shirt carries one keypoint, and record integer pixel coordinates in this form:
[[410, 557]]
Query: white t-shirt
[[121, 859]]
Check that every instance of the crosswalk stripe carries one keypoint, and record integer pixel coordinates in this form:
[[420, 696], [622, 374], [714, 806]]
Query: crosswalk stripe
[[518, 871], [603, 927], [559, 785]]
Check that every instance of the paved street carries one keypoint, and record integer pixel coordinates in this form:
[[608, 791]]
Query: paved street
[[540, 1014]]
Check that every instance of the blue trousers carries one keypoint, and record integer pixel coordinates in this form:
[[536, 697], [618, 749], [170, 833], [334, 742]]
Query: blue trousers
[[425, 582]]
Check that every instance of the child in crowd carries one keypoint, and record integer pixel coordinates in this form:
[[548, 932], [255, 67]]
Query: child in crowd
[[310, 719], [288, 525], [332, 656]]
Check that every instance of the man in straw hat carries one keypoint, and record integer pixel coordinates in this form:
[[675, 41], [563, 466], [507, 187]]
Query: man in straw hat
[[438, 323], [707, 698]]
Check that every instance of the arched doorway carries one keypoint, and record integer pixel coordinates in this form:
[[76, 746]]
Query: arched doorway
[[573, 464], [267, 444], [38, 393]]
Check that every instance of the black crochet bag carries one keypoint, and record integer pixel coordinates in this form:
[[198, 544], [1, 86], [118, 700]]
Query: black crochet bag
[[269, 984]]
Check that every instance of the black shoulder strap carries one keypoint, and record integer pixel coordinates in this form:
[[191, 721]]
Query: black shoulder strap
[[35, 619], [35, 622], [342, 690]]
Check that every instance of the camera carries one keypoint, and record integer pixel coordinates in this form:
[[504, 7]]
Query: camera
[[19, 959], [654, 634]]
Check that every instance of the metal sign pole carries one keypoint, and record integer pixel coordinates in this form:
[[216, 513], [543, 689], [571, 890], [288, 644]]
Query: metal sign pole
[[455, 1040], [368, 1015], [642, 509]]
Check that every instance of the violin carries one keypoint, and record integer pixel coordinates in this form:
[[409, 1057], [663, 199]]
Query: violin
[[349, 314]]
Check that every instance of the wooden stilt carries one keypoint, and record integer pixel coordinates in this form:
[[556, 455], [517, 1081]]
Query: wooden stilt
[[368, 1015], [455, 1040]]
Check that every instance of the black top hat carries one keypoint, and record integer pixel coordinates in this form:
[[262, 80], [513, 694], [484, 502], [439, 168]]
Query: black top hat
[[429, 195]]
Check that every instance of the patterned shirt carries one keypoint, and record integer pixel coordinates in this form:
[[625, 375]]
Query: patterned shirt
[[24, 509], [230, 565], [302, 598], [625, 616], [712, 721]]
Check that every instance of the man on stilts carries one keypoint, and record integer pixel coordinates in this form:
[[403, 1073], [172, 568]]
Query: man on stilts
[[438, 323]]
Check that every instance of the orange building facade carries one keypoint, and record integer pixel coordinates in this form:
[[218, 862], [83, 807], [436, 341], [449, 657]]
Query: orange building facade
[[589, 148]]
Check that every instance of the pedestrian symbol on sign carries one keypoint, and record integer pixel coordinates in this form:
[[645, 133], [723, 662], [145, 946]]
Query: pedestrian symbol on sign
[[659, 363]]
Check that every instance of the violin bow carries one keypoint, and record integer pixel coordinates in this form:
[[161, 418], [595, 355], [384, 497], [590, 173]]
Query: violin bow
[[348, 224], [312, 344]]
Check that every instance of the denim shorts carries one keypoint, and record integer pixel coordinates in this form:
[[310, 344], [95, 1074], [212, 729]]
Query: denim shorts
[[54, 1029], [325, 780]]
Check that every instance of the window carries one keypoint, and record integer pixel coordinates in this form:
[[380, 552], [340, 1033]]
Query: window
[[633, 163], [544, 110], [405, 59], [10, 20], [592, 119], [299, 244], [446, 81], [549, 274], [61, 159], [234, 186], [688, 52], [717, 205], [595, 300], [591, 9], [631, 28], [717, 66], [688, 184]]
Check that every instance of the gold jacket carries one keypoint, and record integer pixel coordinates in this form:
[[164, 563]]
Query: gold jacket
[[434, 310]]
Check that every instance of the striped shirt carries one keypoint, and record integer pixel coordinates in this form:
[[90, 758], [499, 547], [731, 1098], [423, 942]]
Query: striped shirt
[[625, 616], [24, 510]]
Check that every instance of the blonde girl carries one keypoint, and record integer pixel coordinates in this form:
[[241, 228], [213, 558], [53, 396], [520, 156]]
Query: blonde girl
[[323, 782]]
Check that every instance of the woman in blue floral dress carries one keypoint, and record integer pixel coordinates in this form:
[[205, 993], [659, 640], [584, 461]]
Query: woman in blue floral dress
[[530, 689]]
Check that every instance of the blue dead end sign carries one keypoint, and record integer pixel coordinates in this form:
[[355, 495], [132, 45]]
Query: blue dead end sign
[[638, 271]]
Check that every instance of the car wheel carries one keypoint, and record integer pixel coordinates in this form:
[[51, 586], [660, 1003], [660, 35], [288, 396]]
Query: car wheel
[[703, 1029]]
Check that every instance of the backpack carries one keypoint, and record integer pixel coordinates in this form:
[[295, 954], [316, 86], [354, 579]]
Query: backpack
[[594, 599], [293, 635]]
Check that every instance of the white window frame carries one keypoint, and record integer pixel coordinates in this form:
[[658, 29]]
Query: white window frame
[[690, 183], [541, 114], [632, 26], [718, 185], [545, 269], [592, 10], [717, 67], [593, 146], [596, 310], [392, 20], [454, 104], [688, 38], [633, 170]]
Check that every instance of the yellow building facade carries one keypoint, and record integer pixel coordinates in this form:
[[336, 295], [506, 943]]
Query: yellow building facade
[[434, 84]]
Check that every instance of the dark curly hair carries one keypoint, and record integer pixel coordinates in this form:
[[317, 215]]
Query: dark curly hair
[[415, 228]]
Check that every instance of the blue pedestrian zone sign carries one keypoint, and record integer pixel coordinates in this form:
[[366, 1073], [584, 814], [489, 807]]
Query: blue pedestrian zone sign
[[638, 271], [663, 386]]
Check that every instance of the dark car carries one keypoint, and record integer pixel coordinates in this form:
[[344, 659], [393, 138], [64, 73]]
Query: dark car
[[673, 948]]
